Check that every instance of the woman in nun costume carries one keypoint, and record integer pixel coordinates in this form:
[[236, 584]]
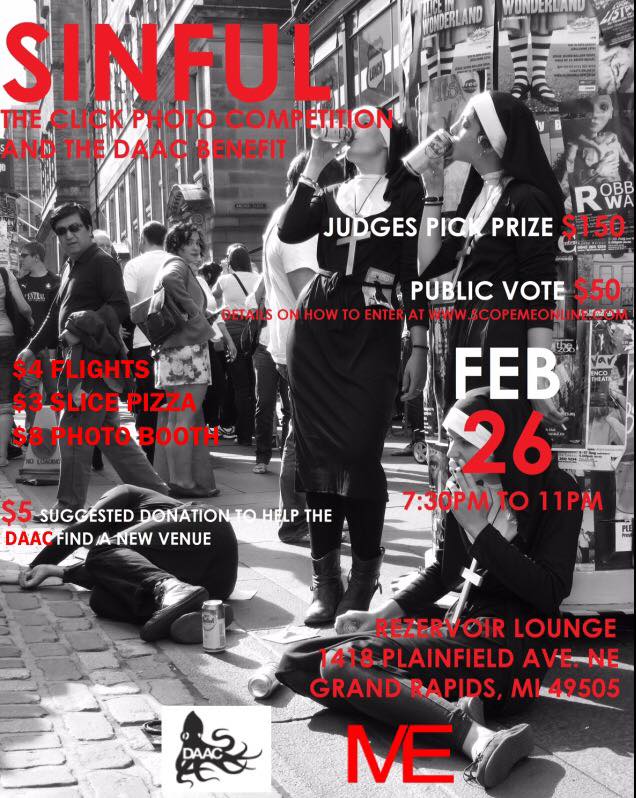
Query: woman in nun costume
[[510, 180], [343, 372], [511, 566]]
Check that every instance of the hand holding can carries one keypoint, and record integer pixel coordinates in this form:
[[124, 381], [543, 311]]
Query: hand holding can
[[333, 135], [427, 160], [429, 153]]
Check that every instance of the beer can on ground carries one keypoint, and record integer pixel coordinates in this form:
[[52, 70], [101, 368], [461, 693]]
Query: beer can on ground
[[435, 147], [334, 135], [213, 621], [263, 683]]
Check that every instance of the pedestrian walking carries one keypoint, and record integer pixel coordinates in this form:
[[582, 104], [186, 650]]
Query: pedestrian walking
[[87, 313]]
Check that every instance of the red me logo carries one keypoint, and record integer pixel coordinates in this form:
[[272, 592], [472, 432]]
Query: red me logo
[[357, 739]]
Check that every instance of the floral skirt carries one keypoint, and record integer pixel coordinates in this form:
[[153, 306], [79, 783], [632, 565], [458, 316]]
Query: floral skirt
[[183, 365]]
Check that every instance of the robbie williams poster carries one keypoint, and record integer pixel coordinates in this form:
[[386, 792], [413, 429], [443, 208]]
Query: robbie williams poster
[[316, 397]]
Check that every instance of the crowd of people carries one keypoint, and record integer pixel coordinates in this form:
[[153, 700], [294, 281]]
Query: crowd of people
[[337, 383]]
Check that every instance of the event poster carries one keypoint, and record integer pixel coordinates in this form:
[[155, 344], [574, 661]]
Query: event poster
[[598, 136], [555, 49], [171, 514]]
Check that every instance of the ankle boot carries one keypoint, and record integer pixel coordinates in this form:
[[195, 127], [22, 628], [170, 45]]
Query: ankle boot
[[326, 585], [364, 580]]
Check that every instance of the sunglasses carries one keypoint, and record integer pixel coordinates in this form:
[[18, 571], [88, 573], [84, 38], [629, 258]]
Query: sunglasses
[[26, 255], [72, 228]]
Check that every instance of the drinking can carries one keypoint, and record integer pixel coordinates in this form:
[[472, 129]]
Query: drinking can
[[435, 147], [263, 683], [333, 135], [213, 622]]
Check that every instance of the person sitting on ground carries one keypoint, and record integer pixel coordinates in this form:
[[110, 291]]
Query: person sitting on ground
[[160, 586], [529, 555]]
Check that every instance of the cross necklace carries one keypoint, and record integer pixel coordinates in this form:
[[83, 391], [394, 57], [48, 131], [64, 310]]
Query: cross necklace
[[353, 239]]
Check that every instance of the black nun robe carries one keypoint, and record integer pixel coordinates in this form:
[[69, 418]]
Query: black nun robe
[[528, 577], [531, 192], [343, 374]]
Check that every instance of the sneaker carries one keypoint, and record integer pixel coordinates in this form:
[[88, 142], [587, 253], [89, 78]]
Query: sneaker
[[500, 755], [227, 432], [260, 468]]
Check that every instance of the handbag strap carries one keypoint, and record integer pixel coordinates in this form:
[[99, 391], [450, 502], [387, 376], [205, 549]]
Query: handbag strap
[[240, 283]]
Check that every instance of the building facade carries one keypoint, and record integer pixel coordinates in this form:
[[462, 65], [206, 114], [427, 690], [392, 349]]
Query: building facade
[[22, 201], [230, 198], [61, 179], [355, 49]]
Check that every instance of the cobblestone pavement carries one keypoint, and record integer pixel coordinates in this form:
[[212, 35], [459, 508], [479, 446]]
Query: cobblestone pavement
[[75, 689]]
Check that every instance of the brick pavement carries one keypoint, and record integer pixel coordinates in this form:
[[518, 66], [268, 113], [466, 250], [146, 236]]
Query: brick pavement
[[75, 689]]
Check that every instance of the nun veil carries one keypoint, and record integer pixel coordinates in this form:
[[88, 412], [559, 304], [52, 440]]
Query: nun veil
[[514, 414], [511, 129]]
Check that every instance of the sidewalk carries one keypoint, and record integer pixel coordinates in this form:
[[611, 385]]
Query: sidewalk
[[74, 689]]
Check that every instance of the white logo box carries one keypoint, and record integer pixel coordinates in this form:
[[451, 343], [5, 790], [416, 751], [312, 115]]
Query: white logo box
[[207, 750]]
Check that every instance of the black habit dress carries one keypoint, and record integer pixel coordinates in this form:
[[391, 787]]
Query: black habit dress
[[343, 373], [497, 259], [526, 578]]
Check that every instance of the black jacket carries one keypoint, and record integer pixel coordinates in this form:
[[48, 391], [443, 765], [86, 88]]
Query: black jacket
[[93, 280], [535, 569]]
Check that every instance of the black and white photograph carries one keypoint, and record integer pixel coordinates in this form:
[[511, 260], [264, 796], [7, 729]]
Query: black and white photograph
[[316, 398]]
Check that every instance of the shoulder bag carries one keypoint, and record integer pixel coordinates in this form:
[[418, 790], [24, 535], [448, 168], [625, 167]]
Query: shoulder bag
[[158, 316], [19, 323], [251, 333]]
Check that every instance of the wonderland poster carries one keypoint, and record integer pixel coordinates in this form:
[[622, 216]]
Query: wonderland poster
[[309, 485]]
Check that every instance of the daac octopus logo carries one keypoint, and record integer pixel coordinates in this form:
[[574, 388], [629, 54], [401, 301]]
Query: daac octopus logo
[[201, 760]]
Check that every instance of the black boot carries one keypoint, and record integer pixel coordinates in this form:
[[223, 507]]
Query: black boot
[[326, 585], [173, 599], [364, 580]]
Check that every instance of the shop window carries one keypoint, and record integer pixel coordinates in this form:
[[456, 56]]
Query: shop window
[[375, 51], [191, 133], [123, 216], [146, 207], [156, 181], [172, 165], [327, 69], [152, 12], [112, 216], [48, 169], [109, 129], [133, 202]]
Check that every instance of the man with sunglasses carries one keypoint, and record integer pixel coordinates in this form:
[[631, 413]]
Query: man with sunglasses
[[91, 281], [39, 287]]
